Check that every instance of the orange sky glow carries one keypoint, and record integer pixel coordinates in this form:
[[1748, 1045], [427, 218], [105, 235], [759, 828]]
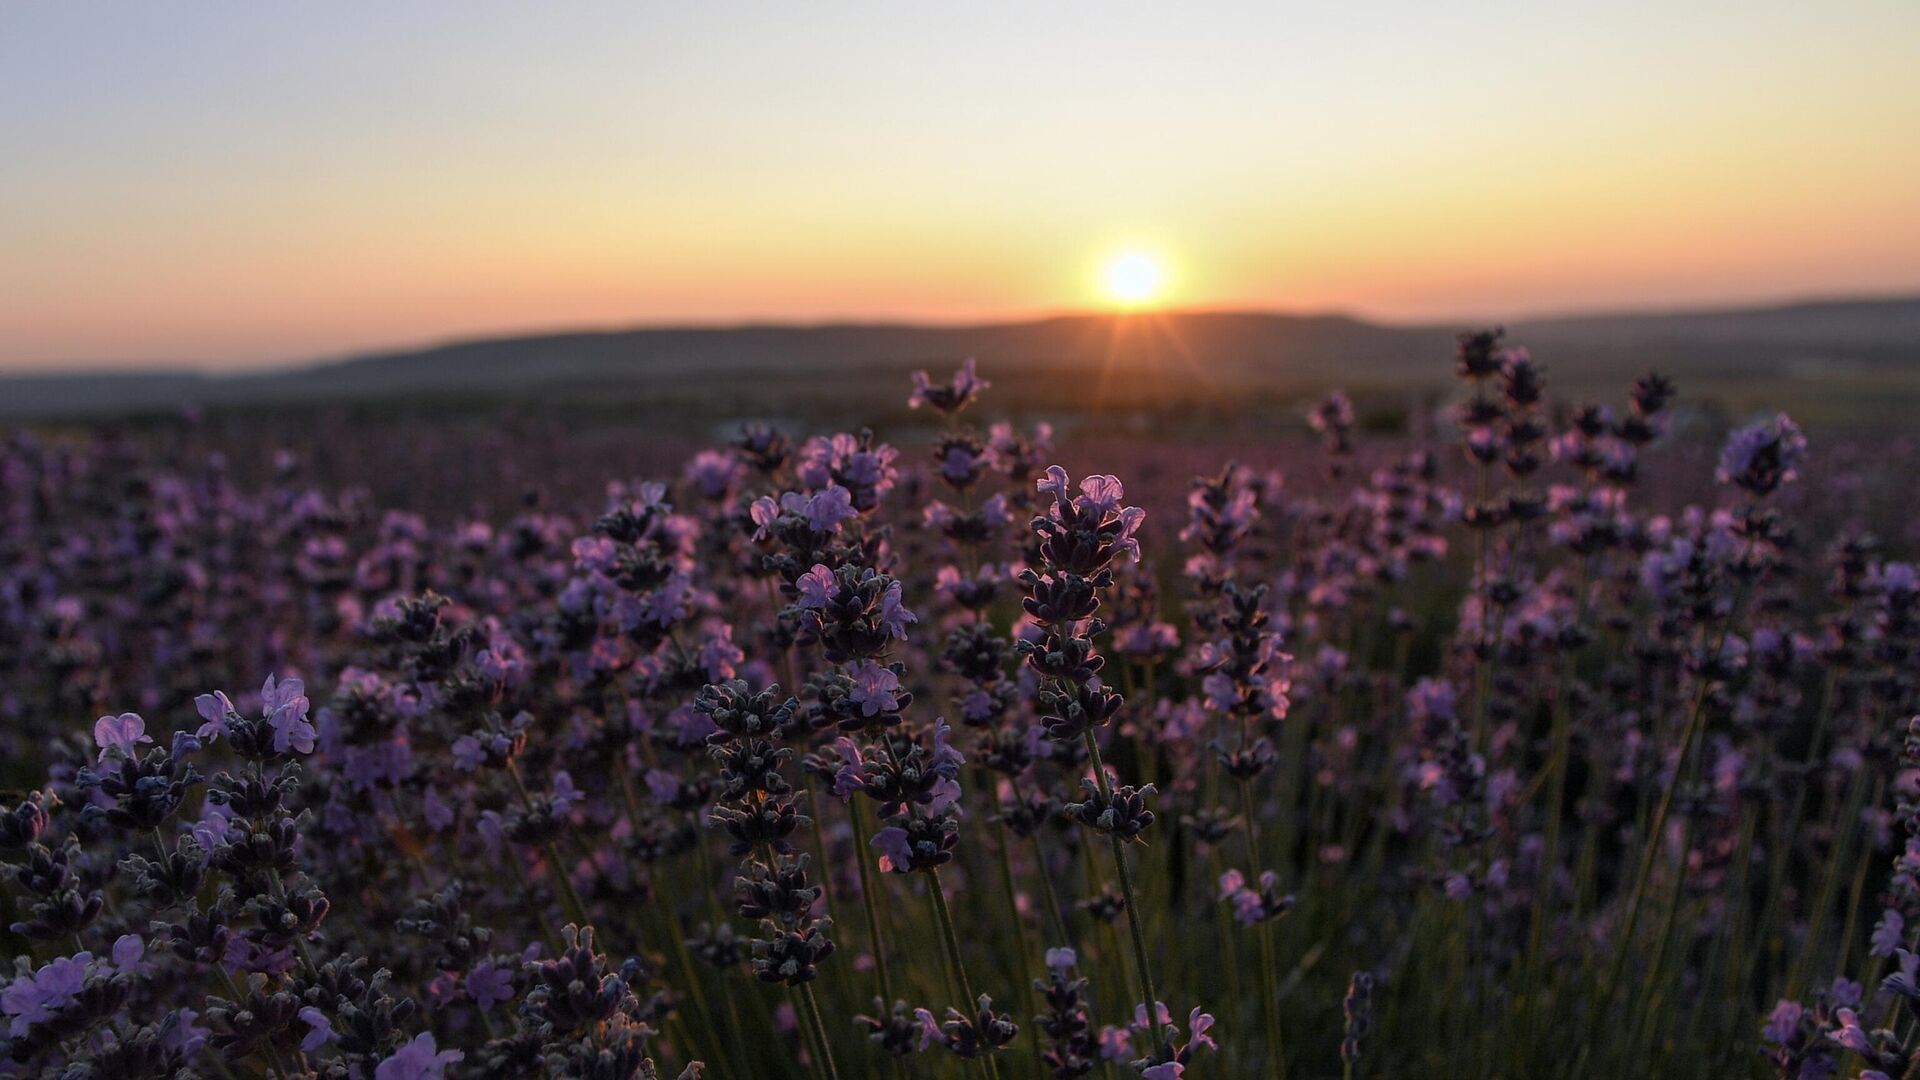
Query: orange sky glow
[[234, 186]]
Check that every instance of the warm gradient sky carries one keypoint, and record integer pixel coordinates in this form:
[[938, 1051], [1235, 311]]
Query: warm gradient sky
[[227, 184]]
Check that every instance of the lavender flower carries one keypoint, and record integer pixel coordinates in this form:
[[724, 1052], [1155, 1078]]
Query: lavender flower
[[950, 399], [420, 1059], [120, 734], [1763, 456]]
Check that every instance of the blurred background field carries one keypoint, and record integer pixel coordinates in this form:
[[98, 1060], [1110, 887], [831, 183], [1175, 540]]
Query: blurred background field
[[1173, 374]]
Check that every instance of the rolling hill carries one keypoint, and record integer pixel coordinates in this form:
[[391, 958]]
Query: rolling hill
[[1860, 353]]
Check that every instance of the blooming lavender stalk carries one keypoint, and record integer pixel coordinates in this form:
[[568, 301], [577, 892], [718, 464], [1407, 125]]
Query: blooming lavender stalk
[[760, 812], [1072, 1048], [1591, 521], [1478, 359], [1333, 419], [916, 785], [1243, 687], [1757, 460], [1080, 539], [1357, 1007]]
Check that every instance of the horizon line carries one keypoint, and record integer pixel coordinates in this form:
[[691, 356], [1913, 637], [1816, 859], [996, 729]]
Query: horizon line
[[456, 339]]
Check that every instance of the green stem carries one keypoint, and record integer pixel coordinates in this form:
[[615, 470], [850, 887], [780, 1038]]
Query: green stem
[[812, 1010], [1556, 797], [820, 844], [869, 903], [1656, 828], [1054, 918], [1830, 881], [1853, 901], [1688, 736], [952, 939], [1024, 955], [1269, 995], [575, 909], [1140, 959]]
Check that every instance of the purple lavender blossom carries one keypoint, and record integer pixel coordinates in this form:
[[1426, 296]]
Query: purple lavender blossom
[[489, 985], [817, 587], [1763, 456], [214, 709], [956, 395], [319, 1030], [120, 734], [419, 1059], [35, 998], [875, 689], [1888, 933], [1784, 1022], [896, 853]]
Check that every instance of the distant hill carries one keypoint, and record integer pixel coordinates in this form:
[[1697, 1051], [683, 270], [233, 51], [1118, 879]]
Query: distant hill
[[1079, 362]]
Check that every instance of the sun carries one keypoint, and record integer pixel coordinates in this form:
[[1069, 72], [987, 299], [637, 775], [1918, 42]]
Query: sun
[[1134, 279]]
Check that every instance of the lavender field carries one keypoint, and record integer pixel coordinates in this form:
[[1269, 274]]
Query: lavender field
[[1538, 738]]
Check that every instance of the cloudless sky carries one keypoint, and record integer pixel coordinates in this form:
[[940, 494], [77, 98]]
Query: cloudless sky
[[233, 184]]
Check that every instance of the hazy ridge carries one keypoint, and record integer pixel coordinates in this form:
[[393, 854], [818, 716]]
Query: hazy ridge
[[1868, 348]]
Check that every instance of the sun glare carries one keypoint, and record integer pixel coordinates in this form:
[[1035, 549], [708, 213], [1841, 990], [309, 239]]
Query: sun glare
[[1134, 279]]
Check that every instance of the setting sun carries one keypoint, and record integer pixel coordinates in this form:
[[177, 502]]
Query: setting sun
[[1134, 279]]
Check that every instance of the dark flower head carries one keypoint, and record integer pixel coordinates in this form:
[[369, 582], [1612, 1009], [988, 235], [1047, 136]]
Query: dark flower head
[[1651, 393], [1122, 812], [1763, 456], [852, 613], [23, 825], [792, 956], [1083, 534], [917, 843], [897, 1030], [740, 712], [979, 1034], [763, 448], [951, 398], [1476, 354]]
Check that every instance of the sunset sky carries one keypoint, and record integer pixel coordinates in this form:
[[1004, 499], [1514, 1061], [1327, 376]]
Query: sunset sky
[[224, 185]]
